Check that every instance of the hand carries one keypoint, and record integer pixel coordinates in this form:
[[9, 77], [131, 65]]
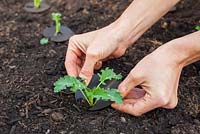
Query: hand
[[87, 51], [158, 75]]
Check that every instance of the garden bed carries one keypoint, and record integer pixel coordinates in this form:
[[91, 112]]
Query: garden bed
[[28, 71]]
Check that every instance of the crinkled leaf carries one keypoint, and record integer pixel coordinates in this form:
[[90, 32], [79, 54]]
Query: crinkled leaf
[[110, 94], [100, 93], [114, 95], [68, 82], [108, 74]]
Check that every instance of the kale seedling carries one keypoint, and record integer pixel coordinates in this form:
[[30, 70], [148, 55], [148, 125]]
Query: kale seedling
[[95, 94], [37, 3], [197, 28], [57, 17]]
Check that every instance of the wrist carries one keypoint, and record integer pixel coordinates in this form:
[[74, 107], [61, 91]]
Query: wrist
[[185, 50]]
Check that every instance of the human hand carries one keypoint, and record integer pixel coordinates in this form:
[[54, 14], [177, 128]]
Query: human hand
[[87, 51], [158, 75]]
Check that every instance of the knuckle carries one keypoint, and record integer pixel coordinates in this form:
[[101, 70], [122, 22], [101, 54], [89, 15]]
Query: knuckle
[[134, 74], [173, 104], [72, 39], [163, 99], [137, 114], [92, 54], [120, 53], [86, 73]]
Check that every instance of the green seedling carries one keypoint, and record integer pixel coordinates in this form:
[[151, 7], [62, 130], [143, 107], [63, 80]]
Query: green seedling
[[197, 28], [95, 94], [57, 18], [44, 41], [37, 3]]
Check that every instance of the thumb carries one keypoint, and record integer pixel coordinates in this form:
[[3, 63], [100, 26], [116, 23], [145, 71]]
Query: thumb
[[137, 107], [88, 68], [131, 81]]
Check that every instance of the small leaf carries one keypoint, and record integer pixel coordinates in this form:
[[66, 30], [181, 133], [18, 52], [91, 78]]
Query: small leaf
[[108, 74], [68, 82], [197, 28], [114, 95], [110, 94], [44, 41], [100, 94], [56, 16]]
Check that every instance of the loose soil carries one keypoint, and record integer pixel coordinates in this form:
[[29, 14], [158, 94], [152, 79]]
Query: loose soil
[[28, 71]]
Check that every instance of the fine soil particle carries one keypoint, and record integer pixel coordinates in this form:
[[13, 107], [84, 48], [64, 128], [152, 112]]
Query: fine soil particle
[[28, 71]]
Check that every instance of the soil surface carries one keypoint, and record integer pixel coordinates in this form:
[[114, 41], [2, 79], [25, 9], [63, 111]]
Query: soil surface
[[28, 71]]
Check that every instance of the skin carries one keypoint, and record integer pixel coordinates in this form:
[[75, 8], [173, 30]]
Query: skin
[[158, 73]]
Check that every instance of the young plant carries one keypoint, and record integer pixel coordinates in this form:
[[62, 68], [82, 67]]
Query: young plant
[[197, 28], [57, 18], [95, 94], [37, 3], [44, 41]]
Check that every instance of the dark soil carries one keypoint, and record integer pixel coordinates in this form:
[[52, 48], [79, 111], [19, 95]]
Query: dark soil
[[28, 71]]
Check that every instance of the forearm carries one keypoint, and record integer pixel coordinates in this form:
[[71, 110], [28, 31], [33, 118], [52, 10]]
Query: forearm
[[139, 17], [187, 48]]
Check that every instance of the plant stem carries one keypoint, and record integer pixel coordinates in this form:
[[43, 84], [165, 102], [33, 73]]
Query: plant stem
[[86, 97], [99, 84]]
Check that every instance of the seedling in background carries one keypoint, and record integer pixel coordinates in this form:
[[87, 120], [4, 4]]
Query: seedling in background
[[95, 94], [37, 3], [44, 41], [37, 6], [197, 28], [57, 33], [57, 18]]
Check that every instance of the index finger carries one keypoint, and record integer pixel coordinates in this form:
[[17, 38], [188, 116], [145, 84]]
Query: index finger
[[71, 64]]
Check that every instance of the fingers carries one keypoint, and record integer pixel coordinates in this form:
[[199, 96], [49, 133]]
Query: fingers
[[98, 65], [71, 63], [137, 107], [88, 67], [131, 81]]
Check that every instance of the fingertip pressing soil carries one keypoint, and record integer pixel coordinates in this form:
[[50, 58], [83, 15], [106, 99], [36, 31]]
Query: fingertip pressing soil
[[28, 71]]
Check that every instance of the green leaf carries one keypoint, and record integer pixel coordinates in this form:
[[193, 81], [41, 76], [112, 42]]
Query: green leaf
[[57, 17], [197, 28], [108, 74], [100, 94], [68, 82], [114, 95], [44, 41], [103, 94], [37, 3]]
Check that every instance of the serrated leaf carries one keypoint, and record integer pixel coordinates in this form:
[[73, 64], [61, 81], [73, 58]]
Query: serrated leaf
[[44, 41], [114, 95], [100, 93], [108, 74], [68, 82]]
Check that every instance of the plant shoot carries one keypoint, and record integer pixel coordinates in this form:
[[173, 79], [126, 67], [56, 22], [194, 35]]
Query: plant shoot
[[57, 18], [37, 3], [95, 94]]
